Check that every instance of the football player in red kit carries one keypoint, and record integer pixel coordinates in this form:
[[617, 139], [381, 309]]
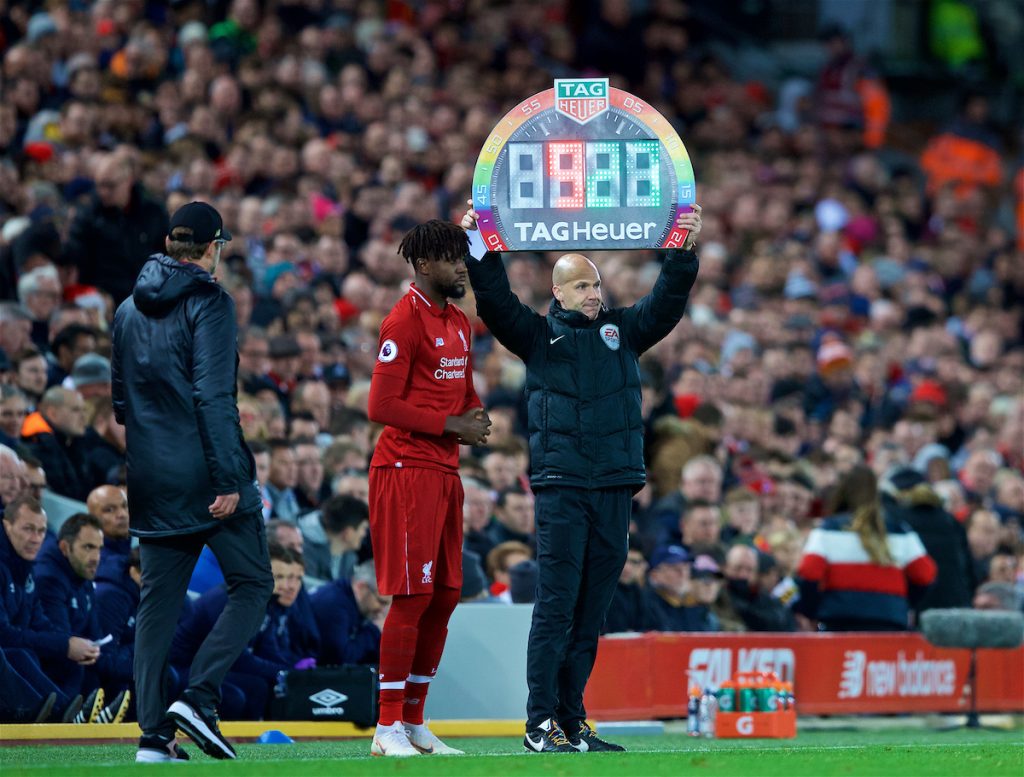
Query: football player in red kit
[[422, 391]]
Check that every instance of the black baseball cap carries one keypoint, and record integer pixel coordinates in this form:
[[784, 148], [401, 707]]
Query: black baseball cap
[[204, 221]]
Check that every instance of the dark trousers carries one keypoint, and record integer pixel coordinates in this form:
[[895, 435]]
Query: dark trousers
[[582, 539], [240, 545], [25, 685]]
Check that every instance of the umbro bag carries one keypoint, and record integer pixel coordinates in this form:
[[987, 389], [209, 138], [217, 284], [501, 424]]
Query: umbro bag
[[346, 693]]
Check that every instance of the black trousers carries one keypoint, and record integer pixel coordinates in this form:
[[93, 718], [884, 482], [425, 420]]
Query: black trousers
[[582, 538], [240, 545]]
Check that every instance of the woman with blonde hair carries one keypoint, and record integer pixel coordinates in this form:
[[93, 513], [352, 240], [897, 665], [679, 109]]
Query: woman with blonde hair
[[859, 571]]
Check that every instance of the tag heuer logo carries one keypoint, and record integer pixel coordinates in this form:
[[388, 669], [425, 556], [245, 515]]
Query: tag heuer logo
[[328, 698], [581, 99]]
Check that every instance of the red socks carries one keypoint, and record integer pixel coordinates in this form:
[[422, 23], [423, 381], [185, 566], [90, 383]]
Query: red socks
[[433, 632], [397, 651], [411, 644]]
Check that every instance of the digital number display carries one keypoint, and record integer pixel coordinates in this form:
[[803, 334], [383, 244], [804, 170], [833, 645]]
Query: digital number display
[[578, 174], [582, 166]]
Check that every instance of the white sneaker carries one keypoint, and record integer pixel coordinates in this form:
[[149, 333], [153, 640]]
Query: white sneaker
[[392, 741], [424, 740]]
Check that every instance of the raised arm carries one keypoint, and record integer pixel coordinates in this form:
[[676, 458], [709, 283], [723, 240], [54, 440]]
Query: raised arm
[[515, 325], [654, 316]]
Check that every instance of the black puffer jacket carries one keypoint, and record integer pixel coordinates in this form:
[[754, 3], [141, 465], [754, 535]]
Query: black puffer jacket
[[582, 376], [174, 370]]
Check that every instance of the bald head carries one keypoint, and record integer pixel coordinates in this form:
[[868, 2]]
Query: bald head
[[576, 284], [572, 266], [110, 505]]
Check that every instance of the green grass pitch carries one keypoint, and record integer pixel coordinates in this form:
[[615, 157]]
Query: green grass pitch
[[815, 754]]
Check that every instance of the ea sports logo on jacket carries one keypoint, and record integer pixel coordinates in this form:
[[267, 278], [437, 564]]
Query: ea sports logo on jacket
[[581, 99], [610, 335]]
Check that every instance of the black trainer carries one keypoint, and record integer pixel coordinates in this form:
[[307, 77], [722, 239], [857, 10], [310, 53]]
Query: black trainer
[[116, 710], [154, 749], [548, 737], [91, 708], [46, 709], [72, 710], [201, 725], [586, 740]]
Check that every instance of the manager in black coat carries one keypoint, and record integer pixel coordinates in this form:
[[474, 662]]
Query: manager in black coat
[[191, 478], [586, 456]]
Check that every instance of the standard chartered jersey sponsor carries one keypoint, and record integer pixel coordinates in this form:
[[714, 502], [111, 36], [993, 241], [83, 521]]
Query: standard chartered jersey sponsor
[[447, 374]]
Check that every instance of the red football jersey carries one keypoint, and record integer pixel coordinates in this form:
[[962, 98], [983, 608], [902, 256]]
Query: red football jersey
[[424, 373]]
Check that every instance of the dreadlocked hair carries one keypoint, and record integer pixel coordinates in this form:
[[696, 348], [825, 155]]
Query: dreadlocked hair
[[435, 239], [857, 493]]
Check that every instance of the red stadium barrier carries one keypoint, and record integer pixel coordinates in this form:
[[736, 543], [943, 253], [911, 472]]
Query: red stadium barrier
[[646, 676]]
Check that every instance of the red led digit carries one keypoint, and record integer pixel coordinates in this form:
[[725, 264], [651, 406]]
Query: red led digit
[[566, 174]]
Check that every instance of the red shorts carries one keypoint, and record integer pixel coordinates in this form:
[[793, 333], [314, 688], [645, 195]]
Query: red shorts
[[416, 529]]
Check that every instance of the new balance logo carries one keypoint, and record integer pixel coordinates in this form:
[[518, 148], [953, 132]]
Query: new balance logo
[[426, 572]]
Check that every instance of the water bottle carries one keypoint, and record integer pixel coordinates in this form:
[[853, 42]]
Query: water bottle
[[693, 708], [707, 713]]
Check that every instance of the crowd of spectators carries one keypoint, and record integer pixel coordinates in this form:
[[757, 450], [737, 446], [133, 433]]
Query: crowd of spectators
[[858, 307]]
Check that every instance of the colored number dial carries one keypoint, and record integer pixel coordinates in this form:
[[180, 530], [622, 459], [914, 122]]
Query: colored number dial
[[545, 181]]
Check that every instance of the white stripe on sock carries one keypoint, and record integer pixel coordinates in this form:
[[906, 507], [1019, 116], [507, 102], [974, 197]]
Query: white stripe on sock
[[397, 685], [418, 678]]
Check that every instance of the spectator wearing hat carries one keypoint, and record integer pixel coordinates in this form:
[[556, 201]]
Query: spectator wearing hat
[[628, 610], [759, 611], [522, 582], [90, 376], [474, 581], [117, 230], [50, 434], [712, 604], [82, 77], [669, 589], [834, 384]]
